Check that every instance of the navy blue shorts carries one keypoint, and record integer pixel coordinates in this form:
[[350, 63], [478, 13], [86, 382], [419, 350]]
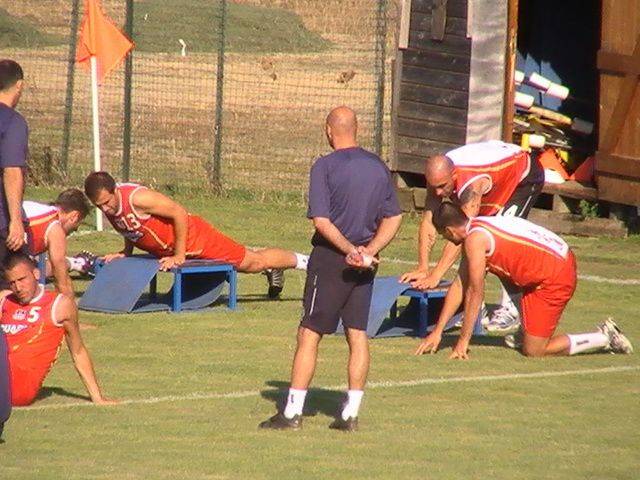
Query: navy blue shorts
[[334, 290]]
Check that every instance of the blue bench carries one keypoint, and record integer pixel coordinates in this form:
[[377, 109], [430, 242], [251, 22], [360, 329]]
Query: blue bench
[[119, 286]]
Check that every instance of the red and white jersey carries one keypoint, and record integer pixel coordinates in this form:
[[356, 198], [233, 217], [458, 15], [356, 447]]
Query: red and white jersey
[[152, 233], [505, 165], [521, 251], [40, 219], [33, 333]]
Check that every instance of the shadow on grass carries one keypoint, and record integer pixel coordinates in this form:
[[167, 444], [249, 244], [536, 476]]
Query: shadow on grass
[[319, 400], [46, 392], [256, 297]]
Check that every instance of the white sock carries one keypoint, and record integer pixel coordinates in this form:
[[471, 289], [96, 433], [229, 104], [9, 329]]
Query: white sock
[[75, 264], [295, 402], [301, 261], [351, 409], [583, 342], [507, 302]]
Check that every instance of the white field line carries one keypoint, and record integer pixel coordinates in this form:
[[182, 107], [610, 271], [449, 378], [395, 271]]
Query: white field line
[[371, 385]]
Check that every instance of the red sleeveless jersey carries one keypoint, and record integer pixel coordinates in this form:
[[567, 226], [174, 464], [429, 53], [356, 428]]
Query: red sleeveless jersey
[[40, 218], [33, 333], [522, 252], [505, 165], [155, 235]]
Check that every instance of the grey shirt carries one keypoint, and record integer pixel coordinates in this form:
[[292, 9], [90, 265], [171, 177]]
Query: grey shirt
[[351, 187]]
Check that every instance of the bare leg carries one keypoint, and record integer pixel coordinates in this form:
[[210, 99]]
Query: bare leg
[[533, 346], [256, 261], [305, 358], [358, 367]]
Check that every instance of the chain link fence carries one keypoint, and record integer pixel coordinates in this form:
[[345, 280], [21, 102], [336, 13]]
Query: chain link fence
[[216, 94]]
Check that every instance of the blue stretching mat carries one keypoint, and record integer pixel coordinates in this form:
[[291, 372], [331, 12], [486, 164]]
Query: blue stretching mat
[[119, 287]]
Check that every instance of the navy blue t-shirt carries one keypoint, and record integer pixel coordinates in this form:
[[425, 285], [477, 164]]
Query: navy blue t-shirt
[[14, 136], [351, 187]]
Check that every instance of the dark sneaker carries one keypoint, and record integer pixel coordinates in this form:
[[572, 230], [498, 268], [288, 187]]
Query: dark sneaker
[[89, 266], [280, 422], [348, 425], [275, 277]]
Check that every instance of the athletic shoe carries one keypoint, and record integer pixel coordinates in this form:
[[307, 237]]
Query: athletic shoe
[[89, 265], [1, 430], [484, 317], [503, 319], [275, 278], [618, 343], [514, 340], [348, 425], [280, 422]]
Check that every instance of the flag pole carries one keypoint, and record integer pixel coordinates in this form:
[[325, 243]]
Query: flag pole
[[96, 130]]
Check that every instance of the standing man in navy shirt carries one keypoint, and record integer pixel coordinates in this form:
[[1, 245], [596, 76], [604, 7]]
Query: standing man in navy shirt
[[355, 213], [13, 159], [13, 162]]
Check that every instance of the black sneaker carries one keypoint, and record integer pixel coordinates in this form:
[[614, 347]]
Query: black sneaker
[[280, 422], [275, 277], [89, 267], [348, 425], [1, 430]]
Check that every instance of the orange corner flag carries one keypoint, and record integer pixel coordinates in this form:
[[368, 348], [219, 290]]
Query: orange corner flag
[[102, 39]]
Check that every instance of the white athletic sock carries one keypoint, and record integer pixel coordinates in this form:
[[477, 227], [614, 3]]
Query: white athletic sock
[[301, 261], [507, 302], [75, 264], [295, 402], [351, 409], [583, 342]]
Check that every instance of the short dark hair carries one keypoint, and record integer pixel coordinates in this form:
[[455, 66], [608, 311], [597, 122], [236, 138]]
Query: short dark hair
[[73, 199], [449, 215], [10, 73], [14, 258], [97, 181]]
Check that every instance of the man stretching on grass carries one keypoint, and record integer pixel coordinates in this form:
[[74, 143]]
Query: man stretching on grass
[[535, 263], [47, 230], [35, 321], [162, 227]]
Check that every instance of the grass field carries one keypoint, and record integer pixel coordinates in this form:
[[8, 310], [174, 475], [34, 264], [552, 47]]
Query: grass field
[[194, 386]]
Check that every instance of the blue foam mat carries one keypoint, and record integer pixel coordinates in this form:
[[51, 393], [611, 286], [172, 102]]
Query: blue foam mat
[[119, 287]]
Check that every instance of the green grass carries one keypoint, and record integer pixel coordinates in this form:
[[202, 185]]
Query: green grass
[[250, 29], [573, 426], [18, 33]]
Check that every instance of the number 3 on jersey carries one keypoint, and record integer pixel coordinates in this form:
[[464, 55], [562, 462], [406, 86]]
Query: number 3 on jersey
[[128, 222]]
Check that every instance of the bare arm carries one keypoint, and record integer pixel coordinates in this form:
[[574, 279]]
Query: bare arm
[[471, 197], [68, 313], [13, 181], [155, 203], [452, 301], [387, 229], [427, 236], [472, 277], [127, 251], [56, 251]]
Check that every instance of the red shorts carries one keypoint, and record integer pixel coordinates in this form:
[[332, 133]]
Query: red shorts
[[25, 385], [204, 241], [542, 307]]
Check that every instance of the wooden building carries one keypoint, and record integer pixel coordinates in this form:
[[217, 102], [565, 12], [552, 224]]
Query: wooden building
[[453, 80]]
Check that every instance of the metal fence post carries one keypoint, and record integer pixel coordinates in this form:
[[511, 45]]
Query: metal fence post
[[68, 104], [381, 44], [128, 72], [216, 179]]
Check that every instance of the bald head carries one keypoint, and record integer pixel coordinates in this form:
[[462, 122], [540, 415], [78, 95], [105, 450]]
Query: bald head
[[438, 164], [439, 173], [342, 127]]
